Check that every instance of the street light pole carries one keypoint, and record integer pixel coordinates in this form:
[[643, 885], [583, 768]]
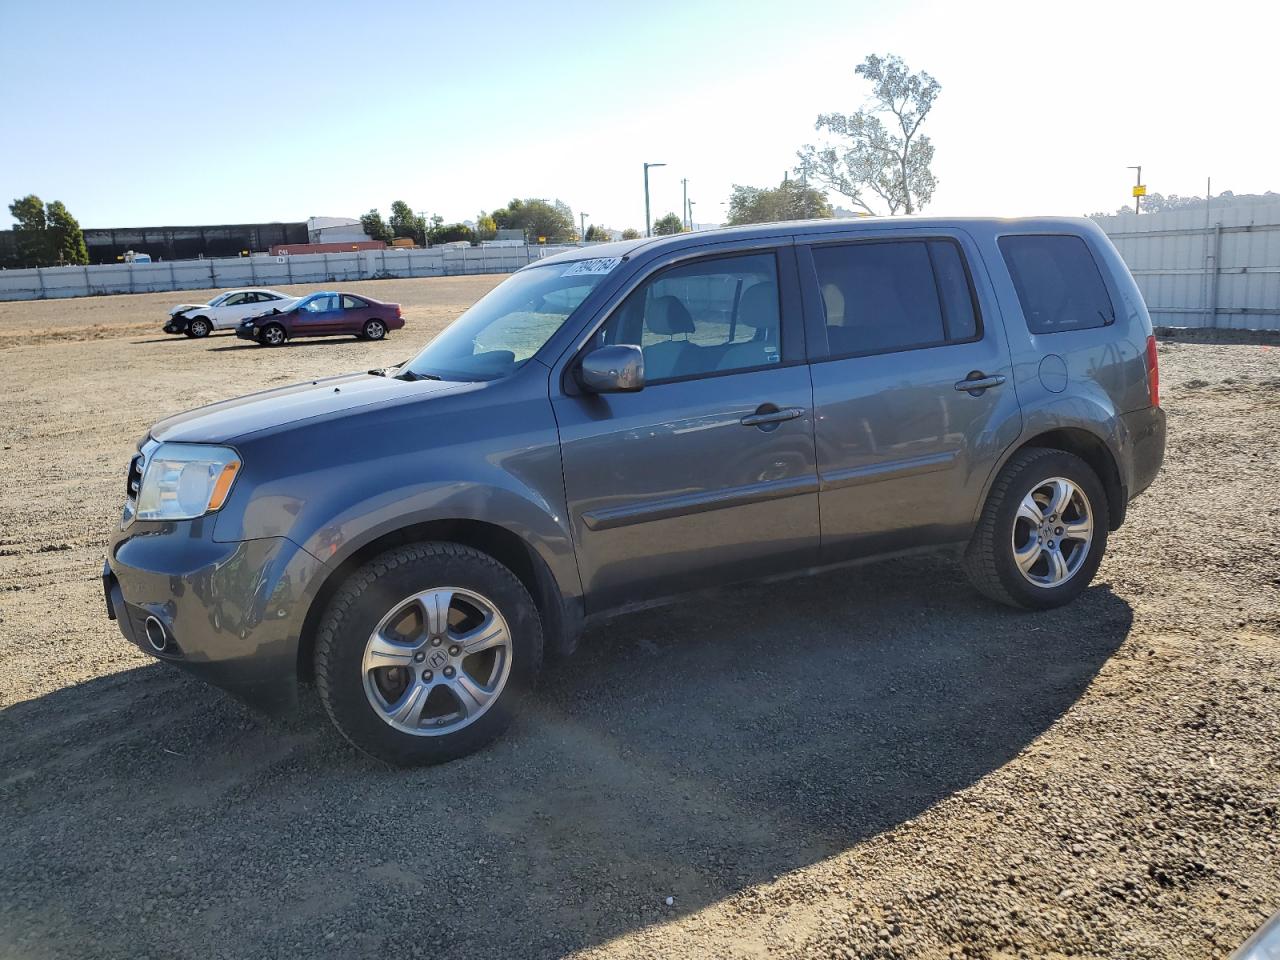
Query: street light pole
[[648, 226], [689, 204], [1137, 197], [688, 224], [582, 232]]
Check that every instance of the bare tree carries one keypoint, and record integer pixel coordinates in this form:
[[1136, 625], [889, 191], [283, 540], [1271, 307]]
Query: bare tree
[[873, 158]]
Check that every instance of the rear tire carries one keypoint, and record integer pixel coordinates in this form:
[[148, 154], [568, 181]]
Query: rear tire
[[1042, 533], [272, 335], [399, 681], [374, 330], [198, 327]]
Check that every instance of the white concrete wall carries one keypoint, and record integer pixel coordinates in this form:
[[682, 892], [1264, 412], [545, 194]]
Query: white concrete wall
[[319, 268]]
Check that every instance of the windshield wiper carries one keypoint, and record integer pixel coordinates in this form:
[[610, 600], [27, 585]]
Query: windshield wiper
[[411, 375]]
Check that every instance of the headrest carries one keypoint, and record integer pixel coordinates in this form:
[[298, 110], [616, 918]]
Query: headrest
[[833, 300], [759, 306], [668, 316]]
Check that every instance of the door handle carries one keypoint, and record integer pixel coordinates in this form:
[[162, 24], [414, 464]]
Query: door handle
[[765, 416], [976, 382]]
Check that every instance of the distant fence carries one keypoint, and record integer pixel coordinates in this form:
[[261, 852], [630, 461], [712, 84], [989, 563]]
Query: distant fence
[[263, 271], [1214, 268]]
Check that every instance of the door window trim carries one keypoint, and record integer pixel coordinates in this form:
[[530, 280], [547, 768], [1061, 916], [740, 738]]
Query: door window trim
[[791, 335], [811, 287]]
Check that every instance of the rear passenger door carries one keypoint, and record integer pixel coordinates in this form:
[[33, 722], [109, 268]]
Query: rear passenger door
[[900, 328]]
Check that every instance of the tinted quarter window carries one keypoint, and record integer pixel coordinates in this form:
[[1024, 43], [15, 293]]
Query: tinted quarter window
[[1058, 283], [352, 303], [879, 297], [706, 317]]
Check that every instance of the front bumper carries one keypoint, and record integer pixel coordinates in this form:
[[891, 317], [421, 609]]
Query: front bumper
[[176, 325], [247, 331], [230, 613]]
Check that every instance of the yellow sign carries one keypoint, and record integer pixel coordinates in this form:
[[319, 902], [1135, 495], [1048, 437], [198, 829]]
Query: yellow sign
[[1140, 190]]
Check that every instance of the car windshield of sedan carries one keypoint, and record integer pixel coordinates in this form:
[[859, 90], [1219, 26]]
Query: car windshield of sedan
[[509, 324]]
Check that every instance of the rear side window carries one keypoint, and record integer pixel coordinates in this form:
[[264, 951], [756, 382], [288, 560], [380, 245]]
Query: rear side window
[[881, 297], [352, 303], [1058, 283]]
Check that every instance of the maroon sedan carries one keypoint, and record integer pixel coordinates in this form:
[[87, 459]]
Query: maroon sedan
[[324, 315]]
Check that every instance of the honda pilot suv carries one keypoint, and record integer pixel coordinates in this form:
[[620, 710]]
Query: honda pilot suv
[[637, 420]]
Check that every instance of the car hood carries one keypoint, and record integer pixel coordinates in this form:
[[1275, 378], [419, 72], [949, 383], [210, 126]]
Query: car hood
[[225, 421], [183, 307]]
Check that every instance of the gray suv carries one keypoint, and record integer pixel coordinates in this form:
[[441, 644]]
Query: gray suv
[[632, 421]]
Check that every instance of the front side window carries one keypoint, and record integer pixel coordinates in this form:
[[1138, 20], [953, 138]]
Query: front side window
[[320, 303], [509, 324], [712, 316], [1058, 283], [236, 300]]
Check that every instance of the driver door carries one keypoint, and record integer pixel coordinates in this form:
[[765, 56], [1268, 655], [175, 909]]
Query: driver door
[[708, 474], [321, 314]]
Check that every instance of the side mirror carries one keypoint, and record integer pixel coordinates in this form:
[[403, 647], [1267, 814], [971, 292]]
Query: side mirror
[[615, 369]]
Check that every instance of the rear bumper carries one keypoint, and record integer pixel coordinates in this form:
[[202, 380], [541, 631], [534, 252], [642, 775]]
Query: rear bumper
[[230, 613], [1145, 437]]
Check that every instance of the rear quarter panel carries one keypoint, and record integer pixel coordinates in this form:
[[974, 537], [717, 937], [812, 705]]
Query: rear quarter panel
[[1105, 366]]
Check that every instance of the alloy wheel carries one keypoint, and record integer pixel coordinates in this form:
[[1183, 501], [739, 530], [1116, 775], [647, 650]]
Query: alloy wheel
[[375, 330], [1052, 532], [437, 661]]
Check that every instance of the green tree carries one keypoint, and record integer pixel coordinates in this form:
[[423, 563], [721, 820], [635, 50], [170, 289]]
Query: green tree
[[631, 233], [538, 219], [66, 240], [788, 201], [665, 226], [871, 157], [31, 231], [597, 233], [486, 229], [451, 233], [375, 228], [405, 223]]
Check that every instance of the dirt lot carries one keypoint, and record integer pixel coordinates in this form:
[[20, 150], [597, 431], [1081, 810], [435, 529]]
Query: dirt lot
[[883, 765]]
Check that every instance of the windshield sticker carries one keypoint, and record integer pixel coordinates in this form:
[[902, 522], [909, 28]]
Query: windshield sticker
[[586, 267]]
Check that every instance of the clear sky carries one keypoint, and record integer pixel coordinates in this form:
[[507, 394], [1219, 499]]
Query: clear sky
[[143, 113]]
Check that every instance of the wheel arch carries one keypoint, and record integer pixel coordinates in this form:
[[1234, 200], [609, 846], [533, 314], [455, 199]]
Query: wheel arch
[[1090, 447], [561, 616]]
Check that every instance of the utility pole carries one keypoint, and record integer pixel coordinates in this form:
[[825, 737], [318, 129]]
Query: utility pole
[[688, 220], [582, 233], [1138, 191], [648, 225]]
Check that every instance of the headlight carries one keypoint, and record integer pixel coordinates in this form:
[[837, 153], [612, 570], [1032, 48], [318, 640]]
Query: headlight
[[186, 480]]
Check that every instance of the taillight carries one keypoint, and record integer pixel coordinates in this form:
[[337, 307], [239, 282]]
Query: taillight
[[398, 310], [1153, 371]]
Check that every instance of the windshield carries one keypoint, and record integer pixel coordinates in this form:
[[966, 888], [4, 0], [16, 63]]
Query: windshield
[[507, 326]]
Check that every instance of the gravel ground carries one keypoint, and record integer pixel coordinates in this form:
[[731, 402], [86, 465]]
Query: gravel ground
[[883, 765]]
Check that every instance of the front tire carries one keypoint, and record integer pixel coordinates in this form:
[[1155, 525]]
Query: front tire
[[424, 652], [198, 327], [1042, 533], [272, 335]]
